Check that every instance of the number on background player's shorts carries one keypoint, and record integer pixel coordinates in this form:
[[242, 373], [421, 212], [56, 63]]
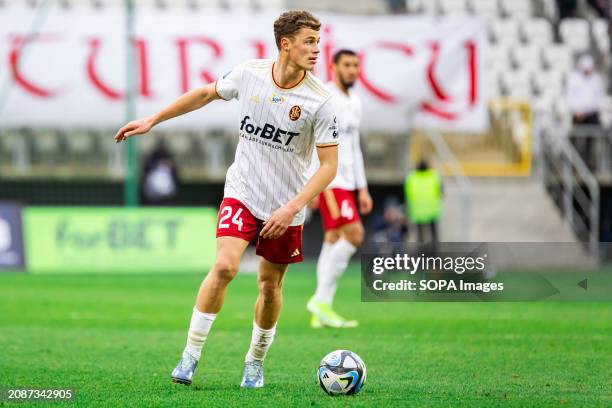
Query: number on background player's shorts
[[235, 220], [338, 207]]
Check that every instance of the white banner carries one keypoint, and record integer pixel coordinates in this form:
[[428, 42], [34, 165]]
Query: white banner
[[416, 71]]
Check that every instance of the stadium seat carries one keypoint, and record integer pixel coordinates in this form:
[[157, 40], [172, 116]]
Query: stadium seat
[[452, 7], [487, 9], [491, 83], [498, 57], [15, 144], [236, 5], [601, 35], [516, 9], [536, 31], [505, 31], [550, 81], [273, 5], [179, 143], [563, 116], [558, 57], [45, 146], [542, 104], [413, 6], [575, 33], [516, 84], [427, 7], [549, 9], [80, 145], [527, 57]]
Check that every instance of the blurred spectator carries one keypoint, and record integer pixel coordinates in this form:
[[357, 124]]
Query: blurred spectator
[[585, 96], [423, 192], [390, 224], [585, 92], [160, 179]]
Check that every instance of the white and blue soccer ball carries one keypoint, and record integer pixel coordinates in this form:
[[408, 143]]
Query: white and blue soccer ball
[[342, 372]]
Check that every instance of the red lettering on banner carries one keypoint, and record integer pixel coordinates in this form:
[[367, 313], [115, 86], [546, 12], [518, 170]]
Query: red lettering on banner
[[260, 49], [442, 97], [429, 108], [106, 90], [17, 43], [472, 61], [368, 85], [183, 44], [328, 56], [143, 64], [94, 48], [435, 53]]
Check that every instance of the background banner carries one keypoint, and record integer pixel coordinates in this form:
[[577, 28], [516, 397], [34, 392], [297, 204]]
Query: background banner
[[11, 242], [115, 240], [416, 70]]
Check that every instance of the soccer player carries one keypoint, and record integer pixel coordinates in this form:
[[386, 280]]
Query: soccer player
[[284, 113], [338, 204]]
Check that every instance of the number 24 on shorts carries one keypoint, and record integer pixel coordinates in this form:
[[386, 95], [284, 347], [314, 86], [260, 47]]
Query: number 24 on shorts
[[226, 213]]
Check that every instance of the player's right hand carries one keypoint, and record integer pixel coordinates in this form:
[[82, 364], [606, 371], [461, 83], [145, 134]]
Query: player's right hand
[[136, 127]]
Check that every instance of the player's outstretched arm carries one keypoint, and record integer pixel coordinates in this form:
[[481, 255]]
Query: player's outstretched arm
[[187, 102], [280, 219]]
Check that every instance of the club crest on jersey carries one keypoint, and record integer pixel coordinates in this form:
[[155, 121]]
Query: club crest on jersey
[[295, 112], [277, 99]]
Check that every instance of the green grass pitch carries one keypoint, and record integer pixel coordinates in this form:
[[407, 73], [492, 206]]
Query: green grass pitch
[[115, 340]]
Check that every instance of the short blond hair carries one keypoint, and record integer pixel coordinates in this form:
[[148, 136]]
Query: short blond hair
[[290, 22]]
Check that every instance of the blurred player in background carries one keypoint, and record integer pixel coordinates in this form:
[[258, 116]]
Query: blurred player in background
[[284, 113], [345, 198]]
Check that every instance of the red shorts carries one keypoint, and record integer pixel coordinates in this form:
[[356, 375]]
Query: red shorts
[[235, 220], [338, 208]]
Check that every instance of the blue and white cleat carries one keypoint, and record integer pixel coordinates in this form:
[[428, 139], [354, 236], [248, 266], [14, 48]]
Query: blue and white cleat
[[253, 375], [183, 373]]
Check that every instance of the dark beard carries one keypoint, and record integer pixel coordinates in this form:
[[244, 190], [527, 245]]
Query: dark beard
[[347, 85]]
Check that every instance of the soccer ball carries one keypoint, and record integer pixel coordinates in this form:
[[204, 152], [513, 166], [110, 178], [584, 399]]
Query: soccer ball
[[342, 372]]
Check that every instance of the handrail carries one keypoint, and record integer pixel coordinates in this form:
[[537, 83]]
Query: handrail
[[465, 186], [571, 167]]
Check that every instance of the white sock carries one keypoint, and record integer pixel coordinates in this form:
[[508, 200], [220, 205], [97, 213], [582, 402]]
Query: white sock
[[198, 331], [260, 343], [322, 268], [337, 260]]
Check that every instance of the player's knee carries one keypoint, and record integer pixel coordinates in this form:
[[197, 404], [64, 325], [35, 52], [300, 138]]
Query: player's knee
[[356, 234], [332, 237], [224, 270], [270, 289]]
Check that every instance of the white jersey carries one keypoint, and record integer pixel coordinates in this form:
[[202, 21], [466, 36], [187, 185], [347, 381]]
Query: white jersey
[[278, 131], [351, 170]]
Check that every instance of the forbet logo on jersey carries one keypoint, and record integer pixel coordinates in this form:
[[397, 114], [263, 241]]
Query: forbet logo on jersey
[[267, 132]]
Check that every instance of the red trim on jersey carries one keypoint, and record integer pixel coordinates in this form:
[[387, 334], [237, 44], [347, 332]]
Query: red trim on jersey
[[282, 87]]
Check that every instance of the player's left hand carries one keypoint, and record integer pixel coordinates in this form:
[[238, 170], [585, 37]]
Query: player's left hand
[[277, 224], [365, 201]]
